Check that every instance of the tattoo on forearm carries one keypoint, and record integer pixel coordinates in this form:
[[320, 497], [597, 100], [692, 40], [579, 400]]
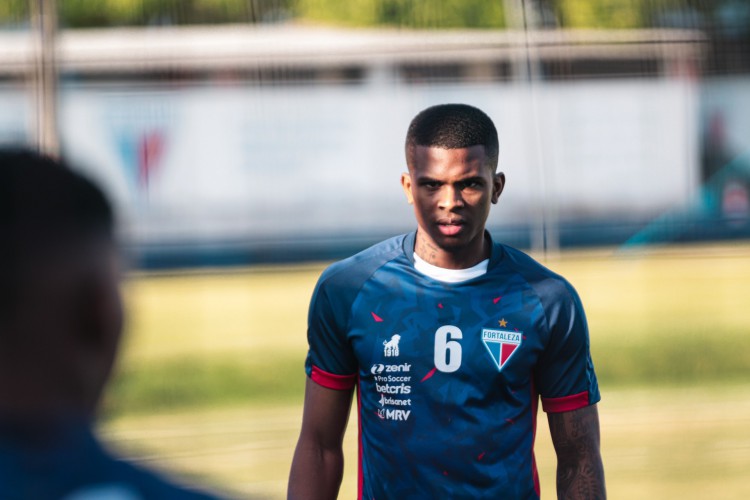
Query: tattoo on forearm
[[580, 474]]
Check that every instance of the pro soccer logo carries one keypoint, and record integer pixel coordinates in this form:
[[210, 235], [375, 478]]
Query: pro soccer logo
[[501, 344]]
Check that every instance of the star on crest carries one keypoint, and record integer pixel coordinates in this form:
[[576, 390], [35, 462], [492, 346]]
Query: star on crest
[[503, 323]]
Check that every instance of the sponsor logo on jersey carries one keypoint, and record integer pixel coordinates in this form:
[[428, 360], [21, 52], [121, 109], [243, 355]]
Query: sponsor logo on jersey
[[399, 415], [501, 344], [398, 368], [379, 368], [384, 400], [392, 378], [393, 389], [390, 347]]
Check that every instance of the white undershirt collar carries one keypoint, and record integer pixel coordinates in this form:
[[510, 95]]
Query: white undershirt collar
[[449, 275]]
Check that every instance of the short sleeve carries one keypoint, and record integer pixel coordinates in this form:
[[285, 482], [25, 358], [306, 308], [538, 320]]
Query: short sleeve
[[330, 358], [564, 375]]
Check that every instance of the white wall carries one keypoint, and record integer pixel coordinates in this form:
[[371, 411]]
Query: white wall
[[286, 161]]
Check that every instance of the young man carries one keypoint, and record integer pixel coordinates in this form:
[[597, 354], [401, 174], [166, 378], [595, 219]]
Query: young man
[[60, 326], [450, 339]]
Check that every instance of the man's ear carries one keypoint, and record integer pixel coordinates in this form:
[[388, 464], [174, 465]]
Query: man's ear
[[498, 183], [101, 321], [99, 307], [406, 184]]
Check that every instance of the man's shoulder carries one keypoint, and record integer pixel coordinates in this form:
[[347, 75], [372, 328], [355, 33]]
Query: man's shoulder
[[354, 270], [521, 263], [130, 482], [549, 285], [73, 464], [150, 484]]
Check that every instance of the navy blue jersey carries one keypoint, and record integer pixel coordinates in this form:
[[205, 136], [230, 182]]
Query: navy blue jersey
[[449, 375]]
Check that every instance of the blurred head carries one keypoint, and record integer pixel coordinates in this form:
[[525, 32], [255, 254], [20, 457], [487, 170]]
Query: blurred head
[[60, 308], [452, 153]]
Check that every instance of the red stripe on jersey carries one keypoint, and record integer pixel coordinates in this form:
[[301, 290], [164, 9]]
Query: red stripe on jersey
[[332, 381], [567, 403], [360, 472], [534, 409]]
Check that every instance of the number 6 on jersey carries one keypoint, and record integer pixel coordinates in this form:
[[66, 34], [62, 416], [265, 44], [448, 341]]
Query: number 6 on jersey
[[447, 349]]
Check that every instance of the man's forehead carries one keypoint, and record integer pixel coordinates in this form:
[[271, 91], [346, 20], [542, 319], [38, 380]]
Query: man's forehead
[[475, 149], [427, 156]]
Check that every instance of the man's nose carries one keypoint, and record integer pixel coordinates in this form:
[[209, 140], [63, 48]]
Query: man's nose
[[450, 198]]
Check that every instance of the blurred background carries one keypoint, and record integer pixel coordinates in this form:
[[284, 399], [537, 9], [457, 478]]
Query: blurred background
[[246, 143]]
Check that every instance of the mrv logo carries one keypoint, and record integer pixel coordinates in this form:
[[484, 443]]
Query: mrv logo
[[399, 415], [378, 368]]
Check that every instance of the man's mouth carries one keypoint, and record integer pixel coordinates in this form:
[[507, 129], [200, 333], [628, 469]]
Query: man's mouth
[[450, 227]]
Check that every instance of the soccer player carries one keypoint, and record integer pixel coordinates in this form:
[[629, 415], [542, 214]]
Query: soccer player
[[450, 339], [60, 326]]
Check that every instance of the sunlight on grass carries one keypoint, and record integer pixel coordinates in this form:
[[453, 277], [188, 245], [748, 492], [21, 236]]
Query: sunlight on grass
[[689, 443], [211, 378], [206, 339]]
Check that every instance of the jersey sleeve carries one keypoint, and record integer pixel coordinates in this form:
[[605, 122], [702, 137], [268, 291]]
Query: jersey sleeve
[[564, 376], [330, 359]]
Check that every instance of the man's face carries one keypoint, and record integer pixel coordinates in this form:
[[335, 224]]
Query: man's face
[[451, 190]]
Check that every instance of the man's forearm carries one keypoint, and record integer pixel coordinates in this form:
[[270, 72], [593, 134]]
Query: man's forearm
[[316, 473], [582, 479], [580, 473]]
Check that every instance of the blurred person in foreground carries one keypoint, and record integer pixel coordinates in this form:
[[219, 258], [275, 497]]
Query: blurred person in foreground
[[60, 327], [450, 339]]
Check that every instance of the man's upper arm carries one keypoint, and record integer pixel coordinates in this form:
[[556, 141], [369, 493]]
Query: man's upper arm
[[331, 361], [325, 414], [575, 436], [318, 462], [564, 375]]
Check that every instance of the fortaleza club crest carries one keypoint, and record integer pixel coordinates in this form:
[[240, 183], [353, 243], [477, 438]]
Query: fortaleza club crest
[[501, 344]]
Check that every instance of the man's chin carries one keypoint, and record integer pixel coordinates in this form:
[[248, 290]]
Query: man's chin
[[452, 243]]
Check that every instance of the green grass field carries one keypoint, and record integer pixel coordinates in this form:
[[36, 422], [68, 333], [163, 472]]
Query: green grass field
[[210, 382]]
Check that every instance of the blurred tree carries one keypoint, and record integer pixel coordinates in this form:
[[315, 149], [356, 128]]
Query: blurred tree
[[81, 13], [601, 13], [104, 13], [14, 12], [607, 14], [686, 14], [351, 12], [404, 13]]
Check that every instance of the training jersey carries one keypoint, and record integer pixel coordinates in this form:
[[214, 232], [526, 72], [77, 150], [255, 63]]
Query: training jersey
[[448, 375]]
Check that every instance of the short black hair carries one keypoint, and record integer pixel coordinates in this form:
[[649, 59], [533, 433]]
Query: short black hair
[[44, 205], [453, 126]]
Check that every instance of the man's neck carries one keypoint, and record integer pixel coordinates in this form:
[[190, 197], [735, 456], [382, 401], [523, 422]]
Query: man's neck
[[459, 258], [25, 395]]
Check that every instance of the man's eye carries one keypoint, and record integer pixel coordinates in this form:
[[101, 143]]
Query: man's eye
[[471, 184]]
